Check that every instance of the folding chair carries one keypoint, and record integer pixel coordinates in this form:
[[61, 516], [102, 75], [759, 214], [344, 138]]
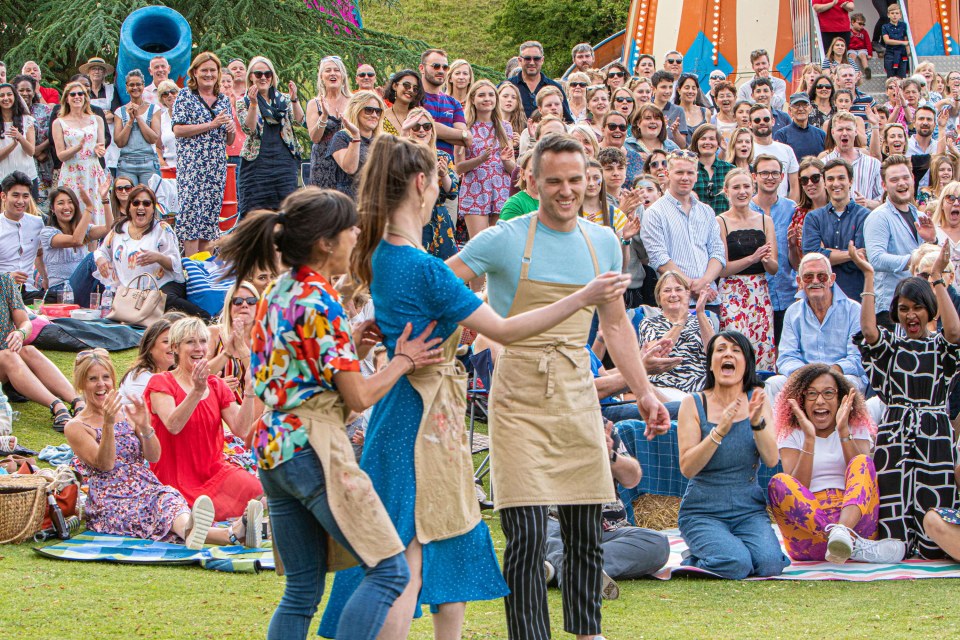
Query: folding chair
[[478, 388]]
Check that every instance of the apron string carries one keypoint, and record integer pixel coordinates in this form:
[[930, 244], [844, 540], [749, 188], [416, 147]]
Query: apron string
[[548, 360]]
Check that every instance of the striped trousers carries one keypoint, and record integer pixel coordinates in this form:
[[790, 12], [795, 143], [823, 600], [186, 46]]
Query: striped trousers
[[525, 529]]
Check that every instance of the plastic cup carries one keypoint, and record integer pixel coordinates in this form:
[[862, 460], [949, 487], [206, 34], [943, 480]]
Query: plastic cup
[[95, 300]]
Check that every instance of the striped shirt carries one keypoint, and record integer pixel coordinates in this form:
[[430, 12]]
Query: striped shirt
[[446, 110], [866, 174]]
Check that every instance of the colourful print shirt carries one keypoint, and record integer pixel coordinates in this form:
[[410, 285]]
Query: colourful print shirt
[[301, 338]]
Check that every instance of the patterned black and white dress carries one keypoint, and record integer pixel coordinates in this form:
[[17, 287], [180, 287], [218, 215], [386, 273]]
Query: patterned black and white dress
[[915, 456], [691, 374]]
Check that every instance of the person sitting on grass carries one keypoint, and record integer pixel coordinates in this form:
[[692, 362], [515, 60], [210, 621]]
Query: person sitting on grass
[[113, 444], [942, 525], [827, 502]]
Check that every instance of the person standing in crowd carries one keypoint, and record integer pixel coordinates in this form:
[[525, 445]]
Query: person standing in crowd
[[203, 123], [711, 170], [227, 88], [526, 199], [652, 134], [26, 87], [813, 195], [238, 69], [646, 65], [761, 91], [725, 97], [447, 112], [915, 453], [366, 78], [102, 93], [17, 137], [760, 61], [821, 101], [403, 92], [867, 190], [512, 109], [689, 98], [49, 94], [750, 240], [761, 124], [681, 233], [159, 70], [347, 152], [78, 137], [270, 158], [834, 19], [830, 229], [896, 61], [136, 133], [616, 76], [167, 144], [723, 433], [325, 112], [892, 232], [531, 79], [583, 57], [521, 386], [488, 163], [804, 139], [460, 80], [740, 149], [615, 126]]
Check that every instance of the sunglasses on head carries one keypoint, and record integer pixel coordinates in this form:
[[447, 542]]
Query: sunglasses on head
[[624, 99], [238, 300], [372, 111], [141, 203], [366, 74], [814, 179], [763, 119], [98, 351], [263, 74], [531, 58], [820, 277], [422, 126], [674, 61], [437, 66], [616, 74], [578, 84], [612, 126]]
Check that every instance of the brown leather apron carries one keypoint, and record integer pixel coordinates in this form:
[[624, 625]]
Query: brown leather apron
[[355, 506], [547, 444]]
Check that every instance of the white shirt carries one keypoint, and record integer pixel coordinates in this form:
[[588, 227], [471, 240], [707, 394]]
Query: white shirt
[[19, 242], [829, 467], [18, 160], [787, 158], [167, 139], [134, 386], [150, 94]]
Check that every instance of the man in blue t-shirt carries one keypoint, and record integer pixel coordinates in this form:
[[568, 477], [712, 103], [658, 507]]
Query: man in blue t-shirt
[[446, 110], [804, 138], [521, 279]]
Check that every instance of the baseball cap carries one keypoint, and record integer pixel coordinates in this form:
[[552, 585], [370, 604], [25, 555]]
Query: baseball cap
[[799, 97]]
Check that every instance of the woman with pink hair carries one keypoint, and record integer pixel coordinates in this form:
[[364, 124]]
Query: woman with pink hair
[[827, 502]]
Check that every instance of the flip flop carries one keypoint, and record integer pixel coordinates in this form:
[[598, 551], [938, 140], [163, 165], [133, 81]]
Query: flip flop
[[201, 518], [253, 520]]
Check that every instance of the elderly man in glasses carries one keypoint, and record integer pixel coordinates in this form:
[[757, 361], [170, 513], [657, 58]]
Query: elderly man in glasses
[[760, 61], [366, 79], [826, 318], [531, 79]]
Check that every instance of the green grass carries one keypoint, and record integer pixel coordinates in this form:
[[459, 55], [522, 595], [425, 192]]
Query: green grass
[[45, 599]]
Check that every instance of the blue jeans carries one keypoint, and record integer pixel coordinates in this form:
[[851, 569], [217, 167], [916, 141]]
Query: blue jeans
[[301, 520]]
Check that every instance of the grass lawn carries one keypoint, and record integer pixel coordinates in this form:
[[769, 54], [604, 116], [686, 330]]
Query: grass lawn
[[45, 598]]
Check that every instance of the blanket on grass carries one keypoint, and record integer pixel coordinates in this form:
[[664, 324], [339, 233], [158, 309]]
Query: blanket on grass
[[90, 546], [69, 334]]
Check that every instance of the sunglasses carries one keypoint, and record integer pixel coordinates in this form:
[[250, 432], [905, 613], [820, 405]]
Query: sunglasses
[[658, 164], [581, 85], [167, 93], [819, 277], [616, 74], [263, 74], [77, 94], [824, 86], [674, 60], [123, 187], [422, 126], [686, 154], [141, 203], [926, 275], [366, 74], [437, 66], [251, 301], [407, 86], [623, 99], [763, 119], [531, 58], [814, 179], [952, 199], [372, 111], [616, 127]]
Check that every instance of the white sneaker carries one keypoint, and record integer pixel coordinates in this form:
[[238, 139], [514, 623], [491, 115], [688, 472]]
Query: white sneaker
[[839, 544], [201, 517], [887, 551], [549, 570], [609, 590]]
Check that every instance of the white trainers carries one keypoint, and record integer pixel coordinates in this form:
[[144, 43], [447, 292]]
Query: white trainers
[[839, 543], [201, 517], [887, 551], [549, 570], [609, 589]]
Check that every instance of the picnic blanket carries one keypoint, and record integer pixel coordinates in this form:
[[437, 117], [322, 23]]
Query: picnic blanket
[[849, 571], [68, 334], [90, 546]]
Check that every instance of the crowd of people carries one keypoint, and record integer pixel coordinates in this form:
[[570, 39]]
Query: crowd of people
[[770, 268]]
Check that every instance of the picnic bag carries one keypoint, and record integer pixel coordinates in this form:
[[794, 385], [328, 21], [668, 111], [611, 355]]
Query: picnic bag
[[135, 305], [23, 505]]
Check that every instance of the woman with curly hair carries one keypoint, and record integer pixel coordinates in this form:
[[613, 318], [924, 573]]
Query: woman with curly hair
[[826, 502]]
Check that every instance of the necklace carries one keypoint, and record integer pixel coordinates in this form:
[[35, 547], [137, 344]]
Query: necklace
[[394, 230]]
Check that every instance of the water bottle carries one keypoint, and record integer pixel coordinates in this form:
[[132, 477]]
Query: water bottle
[[56, 516], [67, 293], [106, 302]]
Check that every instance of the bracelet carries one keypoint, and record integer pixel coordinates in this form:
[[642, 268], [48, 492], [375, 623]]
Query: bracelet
[[867, 293], [847, 439], [352, 140], [809, 453], [24, 333], [412, 363], [938, 281], [321, 124], [713, 436], [147, 436]]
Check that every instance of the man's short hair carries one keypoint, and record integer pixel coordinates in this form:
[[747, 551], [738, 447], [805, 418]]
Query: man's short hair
[[857, 17], [158, 58], [844, 67], [838, 162], [583, 47], [757, 54], [893, 161], [760, 107], [843, 116], [555, 143], [612, 156], [546, 92], [429, 52], [925, 107], [661, 76], [766, 157], [531, 44], [15, 179], [760, 82], [813, 257]]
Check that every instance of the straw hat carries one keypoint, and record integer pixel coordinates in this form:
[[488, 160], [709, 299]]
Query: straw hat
[[97, 62]]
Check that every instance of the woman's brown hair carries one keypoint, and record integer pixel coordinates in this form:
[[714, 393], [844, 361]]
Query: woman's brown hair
[[200, 59], [125, 218]]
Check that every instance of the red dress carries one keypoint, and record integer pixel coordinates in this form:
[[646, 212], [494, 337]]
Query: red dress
[[192, 461]]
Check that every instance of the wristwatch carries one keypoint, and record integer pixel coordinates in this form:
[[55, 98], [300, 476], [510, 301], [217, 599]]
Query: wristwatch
[[613, 457], [938, 281], [759, 427]]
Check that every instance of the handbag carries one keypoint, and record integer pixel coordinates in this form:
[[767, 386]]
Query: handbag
[[135, 305]]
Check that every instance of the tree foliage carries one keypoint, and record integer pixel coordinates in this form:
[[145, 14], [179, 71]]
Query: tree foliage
[[558, 25], [62, 34]]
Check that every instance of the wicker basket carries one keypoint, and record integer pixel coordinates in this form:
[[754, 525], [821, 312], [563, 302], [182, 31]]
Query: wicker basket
[[23, 504], [656, 512]]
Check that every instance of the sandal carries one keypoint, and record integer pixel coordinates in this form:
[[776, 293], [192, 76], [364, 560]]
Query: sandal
[[252, 521], [201, 518], [61, 416], [77, 405]]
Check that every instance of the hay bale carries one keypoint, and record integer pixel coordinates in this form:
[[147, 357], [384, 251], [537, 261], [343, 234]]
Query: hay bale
[[656, 512]]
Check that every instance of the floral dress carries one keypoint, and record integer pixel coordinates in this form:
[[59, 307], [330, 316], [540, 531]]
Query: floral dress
[[129, 500], [83, 172], [438, 237], [201, 167], [41, 115], [485, 190]]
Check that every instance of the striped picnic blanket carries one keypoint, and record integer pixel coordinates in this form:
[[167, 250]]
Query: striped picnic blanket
[[90, 546], [850, 571]]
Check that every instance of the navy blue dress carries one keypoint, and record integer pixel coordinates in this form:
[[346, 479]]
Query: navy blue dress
[[413, 286]]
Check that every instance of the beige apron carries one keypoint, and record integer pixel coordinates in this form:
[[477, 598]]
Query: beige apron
[[547, 444], [355, 506], [446, 503]]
